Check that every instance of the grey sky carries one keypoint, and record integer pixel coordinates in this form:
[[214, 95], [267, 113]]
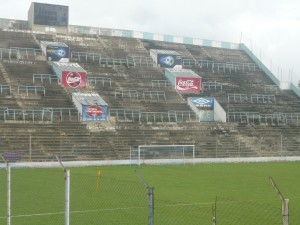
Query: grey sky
[[270, 27]]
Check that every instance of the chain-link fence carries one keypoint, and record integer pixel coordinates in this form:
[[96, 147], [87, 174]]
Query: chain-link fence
[[2, 196], [172, 213], [236, 212], [100, 199], [38, 197]]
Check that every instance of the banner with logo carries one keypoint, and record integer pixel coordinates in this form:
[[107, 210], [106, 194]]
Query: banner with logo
[[203, 107], [57, 53], [188, 84], [169, 61], [166, 58], [94, 113], [73, 79], [203, 103]]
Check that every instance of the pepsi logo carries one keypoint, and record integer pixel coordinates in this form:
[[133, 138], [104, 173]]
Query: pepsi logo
[[94, 111], [73, 79]]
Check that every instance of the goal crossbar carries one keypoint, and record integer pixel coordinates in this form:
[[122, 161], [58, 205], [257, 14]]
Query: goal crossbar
[[162, 154]]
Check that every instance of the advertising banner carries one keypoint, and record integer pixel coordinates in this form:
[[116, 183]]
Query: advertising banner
[[169, 61], [203, 103], [94, 113], [188, 84], [73, 79], [57, 53]]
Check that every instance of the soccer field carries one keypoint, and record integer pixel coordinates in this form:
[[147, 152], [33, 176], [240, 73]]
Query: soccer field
[[241, 193]]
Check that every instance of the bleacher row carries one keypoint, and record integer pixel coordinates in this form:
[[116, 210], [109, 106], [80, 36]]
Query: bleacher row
[[144, 109]]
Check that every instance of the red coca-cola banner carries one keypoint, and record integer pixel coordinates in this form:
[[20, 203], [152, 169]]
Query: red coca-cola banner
[[187, 84], [73, 79]]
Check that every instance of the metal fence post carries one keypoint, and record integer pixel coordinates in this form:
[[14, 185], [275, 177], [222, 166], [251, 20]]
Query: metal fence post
[[67, 192], [8, 193], [284, 203], [67, 197], [150, 205], [285, 212], [150, 191]]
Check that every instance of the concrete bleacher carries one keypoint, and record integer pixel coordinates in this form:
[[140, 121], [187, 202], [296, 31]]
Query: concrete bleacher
[[143, 112]]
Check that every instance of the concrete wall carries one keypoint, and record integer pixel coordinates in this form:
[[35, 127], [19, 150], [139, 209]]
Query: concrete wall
[[150, 162]]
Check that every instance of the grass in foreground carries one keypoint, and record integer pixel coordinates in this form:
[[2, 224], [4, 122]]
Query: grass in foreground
[[183, 194]]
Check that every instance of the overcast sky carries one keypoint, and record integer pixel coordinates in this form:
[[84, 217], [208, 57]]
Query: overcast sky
[[271, 28]]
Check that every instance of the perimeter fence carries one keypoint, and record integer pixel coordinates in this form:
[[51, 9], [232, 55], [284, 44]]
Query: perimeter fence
[[38, 196]]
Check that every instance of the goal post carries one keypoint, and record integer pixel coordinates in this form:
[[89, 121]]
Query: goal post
[[162, 154]]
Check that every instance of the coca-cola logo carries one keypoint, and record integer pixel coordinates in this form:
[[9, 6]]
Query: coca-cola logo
[[188, 84], [94, 111], [73, 79]]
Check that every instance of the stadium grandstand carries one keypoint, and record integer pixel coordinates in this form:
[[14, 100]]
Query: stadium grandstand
[[88, 93]]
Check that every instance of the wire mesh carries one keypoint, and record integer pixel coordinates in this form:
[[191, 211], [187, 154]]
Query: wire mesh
[[37, 196], [236, 212], [107, 200], [294, 215], [173, 213], [2, 196]]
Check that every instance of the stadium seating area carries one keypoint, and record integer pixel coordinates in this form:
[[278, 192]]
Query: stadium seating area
[[262, 120]]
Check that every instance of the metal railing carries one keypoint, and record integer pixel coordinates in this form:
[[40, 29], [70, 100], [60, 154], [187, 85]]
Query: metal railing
[[42, 77], [256, 117], [26, 53], [131, 115], [49, 115], [259, 98], [154, 95], [125, 114], [142, 61], [4, 87], [212, 86], [96, 80], [216, 66], [18, 53], [61, 114], [271, 89], [33, 115], [237, 98], [131, 94], [160, 83], [97, 57], [34, 89]]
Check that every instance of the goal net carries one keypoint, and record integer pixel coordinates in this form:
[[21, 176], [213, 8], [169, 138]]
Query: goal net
[[162, 154]]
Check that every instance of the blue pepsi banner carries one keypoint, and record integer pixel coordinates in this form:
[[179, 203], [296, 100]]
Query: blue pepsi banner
[[169, 61], [57, 53], [94, 113], [203, 103]]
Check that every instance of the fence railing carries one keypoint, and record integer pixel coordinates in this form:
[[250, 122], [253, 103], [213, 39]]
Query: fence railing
[[4, 88], [256, 117], [96, 80], [98, 58], [46, 193], [20, 53], [42, 77], [31, 89], [110, 195], [220, 67]]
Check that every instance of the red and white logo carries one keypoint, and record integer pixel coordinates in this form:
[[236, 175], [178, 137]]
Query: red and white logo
[[188, 84], [73, 79], [94, 111]]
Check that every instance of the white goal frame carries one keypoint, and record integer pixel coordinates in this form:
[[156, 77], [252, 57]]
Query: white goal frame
[[178, 154]]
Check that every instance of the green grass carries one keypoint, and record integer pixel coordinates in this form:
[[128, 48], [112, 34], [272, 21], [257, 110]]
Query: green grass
[[183, 194]]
